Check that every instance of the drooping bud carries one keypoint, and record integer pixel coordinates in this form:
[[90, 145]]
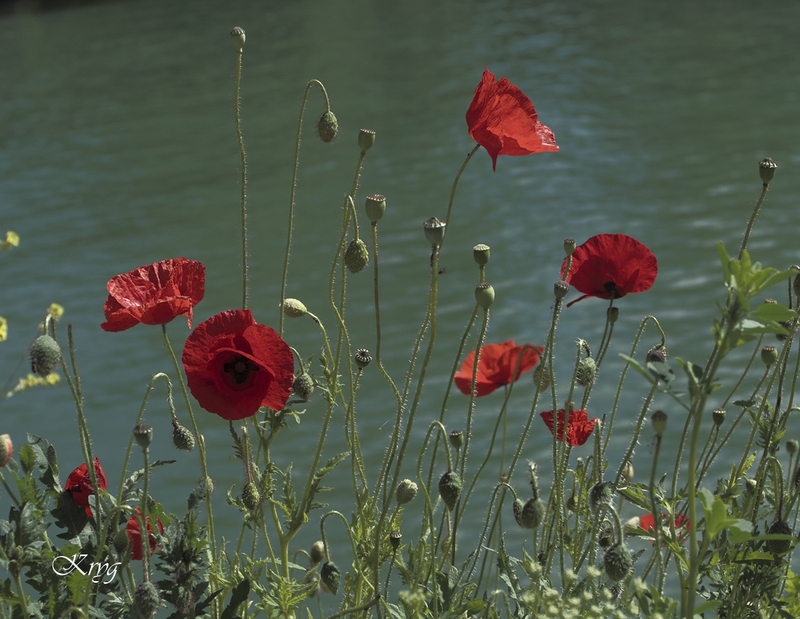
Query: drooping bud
[[45, 354], [659, 421], [569, 246], [330, 577], [586, 372], [600, 494], [366, 138], [327, 127], [480, 253], [356, 257], [317, 552], [605, 537], [395, 537], [617, 561], [375, 207], [791, 446], [238, 38], [766, 169], [612, 314], [516, 508], [303, 386], [718, 415], [779, 546], [769, 355], [182, 437], [532, 514], [434, 231], [143, 435], [121, 541], [294, 308], [560, 289], [627, 472], [572, 502], [251, 497], [450, 489], [657, 354], [456, 438], [484, 295], [6, 449], [362, 357], [406, 491], [541, 377], [146, 600]]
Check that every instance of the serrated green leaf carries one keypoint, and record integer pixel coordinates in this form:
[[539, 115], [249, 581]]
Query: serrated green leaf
[[27, 458]]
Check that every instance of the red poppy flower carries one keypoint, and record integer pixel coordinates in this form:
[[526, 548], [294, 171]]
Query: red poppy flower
[[234, 365], [580, 426], [648, 523], [611, 264], [154, 294], [79, 484], [504, 121], [135, 535], [495, 367]]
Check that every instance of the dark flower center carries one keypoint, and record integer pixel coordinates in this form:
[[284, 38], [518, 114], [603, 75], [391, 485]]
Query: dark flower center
[[239, 368], [611, 288]]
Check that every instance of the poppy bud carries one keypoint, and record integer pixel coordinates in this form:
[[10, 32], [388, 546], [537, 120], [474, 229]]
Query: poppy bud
[[569, 246], [146, 600], [605, 537], [791, 446], [395, 537], [6, 449], [251, 497], [516, 508], [659, 421], [532, 514], [572, 503], [237, 36], [182, 437], [434, 231], [600, 494], [375, 206], [718, 415], [796, 285], [586, 373], [541, 377], [327, 127], [317, 552], [480, 254], [366, 139], [657, 354], [627, 472], [766, 169], [450, 489], [769, 355], [484, 295], [796, 478], [617, 561], [294, 308], [612, 314], [779, 546], [45, 354], [356, 257], [362, 358], [303, 386], [121, 541], [786, 324], [560, 289], [456, 438], [329, 575], [406, 491], [143, 435]]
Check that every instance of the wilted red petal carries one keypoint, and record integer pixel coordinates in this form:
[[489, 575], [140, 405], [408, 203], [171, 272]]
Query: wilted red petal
[[79, 484], [503, 120], [135, 535], [609, 264], [495, 367], [580, 426], [233, 337], [648, 523], [154, 294]]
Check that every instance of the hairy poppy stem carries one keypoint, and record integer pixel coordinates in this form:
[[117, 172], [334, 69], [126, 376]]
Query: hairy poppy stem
[[244, 178], [750, 223]]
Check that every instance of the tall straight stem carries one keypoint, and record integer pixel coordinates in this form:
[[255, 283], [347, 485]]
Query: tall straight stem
[[244, 179]]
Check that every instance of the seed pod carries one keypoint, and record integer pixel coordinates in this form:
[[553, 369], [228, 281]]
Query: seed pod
[[45, 354], [238, 38], [356, 257], [395, 537], [569, 246], [251, 497], [330, 577], [406, 491], [766, 170], [779, 546], [303, 386], [586, 372], [718, 415], [456, 438], [480, 253], [484, 295], [375, 207], [617, 561], [366, 138], [327, 127], [146, 600], [769, 355], [434, 231], [659, 421], [450, 489], [560, 289], [612, 314], [143, 435], [362, 357]]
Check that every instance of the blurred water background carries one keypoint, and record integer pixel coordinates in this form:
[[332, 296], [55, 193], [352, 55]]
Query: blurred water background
[[117, 149]]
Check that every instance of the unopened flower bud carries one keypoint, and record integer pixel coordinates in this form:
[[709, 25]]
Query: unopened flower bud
[[45, 354], [251, 497], [356, 257], [560, 289], [330, 577], [718, 415], [541, 377], [366, 139], [586, 372], [182, 437], [294, 308], [599, 495], [6, 449], [395, 537], [766, 169], [769, 355], [791, 446], [617, 561], [434, 231], [569, 246], [143, 435], [572, 503], [605, 537], [146, 600], [121, 541], [317, 552], [779, 546], [362, 357], [375, 207], [657, 354], [484, 295], [327, 127], [516, 508], [303, 386], [406, 491], [659, 421], [456, 438], [480, 253], [450, 489], [532, 514], [627, 472], [612, 314], [237, 37]]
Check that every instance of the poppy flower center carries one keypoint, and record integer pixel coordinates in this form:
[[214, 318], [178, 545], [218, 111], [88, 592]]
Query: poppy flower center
[[239, 369], [611, 288]]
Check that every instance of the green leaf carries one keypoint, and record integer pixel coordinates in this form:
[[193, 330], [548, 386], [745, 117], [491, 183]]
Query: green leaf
[[238, 596], [661, 371], [726, 262], [27, 458], [638, 367], [773, 312]]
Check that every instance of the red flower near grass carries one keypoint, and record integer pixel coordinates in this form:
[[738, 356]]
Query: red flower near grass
[[580, 426], [648, 523], [504, 121], [495, 367], [611, 264], [234, 365], [154, 294], [79, 484], [135, 535]]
